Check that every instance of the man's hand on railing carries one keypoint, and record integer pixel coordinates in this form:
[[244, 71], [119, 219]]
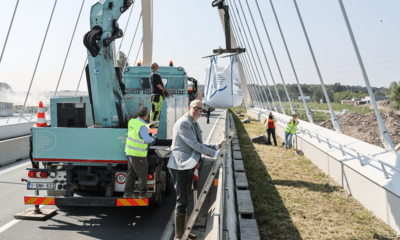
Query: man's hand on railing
[[220, 145]]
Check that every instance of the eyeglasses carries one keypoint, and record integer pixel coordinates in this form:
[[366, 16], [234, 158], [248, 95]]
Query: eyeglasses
[[197, 108]]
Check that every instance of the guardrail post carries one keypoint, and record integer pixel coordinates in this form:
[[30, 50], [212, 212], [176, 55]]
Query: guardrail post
[[318, 137], [384, 171], [359, 158], [341, 148], [329, 144]]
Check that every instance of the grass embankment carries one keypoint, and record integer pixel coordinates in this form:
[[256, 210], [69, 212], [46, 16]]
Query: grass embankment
[[294, 199]]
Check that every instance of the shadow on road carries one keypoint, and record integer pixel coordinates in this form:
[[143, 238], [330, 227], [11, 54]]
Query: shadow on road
[[113, 222]]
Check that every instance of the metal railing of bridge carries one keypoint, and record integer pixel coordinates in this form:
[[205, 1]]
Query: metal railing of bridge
[[342, 146]]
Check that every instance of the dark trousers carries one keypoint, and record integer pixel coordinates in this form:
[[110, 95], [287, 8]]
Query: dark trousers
[[183, 180], [137, 166], [271, 131], [208, 116]]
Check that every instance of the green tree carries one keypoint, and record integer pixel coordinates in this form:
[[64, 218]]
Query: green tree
[[396, 97], [361, 94], [318, 95], [122, 60], [394, 92]]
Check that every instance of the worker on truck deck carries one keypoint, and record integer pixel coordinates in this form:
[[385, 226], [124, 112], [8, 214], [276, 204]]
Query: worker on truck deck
[[157, 88], [136, 152], [187, 147], [291, 129]]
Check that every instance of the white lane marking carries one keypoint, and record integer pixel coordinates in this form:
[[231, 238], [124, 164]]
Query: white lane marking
[[8, 225], [12, 223], [212, 130], [17, 165], [169, 229]]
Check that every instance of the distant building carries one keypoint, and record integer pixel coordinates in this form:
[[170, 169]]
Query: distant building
[[6, 109], [377, 98], [349, 102], [28, 109], [307, 98]]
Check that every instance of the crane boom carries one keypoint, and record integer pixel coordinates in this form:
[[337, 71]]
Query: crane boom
[[105, 86]]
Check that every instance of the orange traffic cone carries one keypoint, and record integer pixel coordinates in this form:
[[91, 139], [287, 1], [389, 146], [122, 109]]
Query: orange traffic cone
[[41, 118]]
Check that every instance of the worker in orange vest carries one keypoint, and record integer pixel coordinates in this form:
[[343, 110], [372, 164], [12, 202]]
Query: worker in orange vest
[[271, 127]]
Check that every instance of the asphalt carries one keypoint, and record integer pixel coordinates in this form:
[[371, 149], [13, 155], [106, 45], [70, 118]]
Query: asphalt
[[81, 222]]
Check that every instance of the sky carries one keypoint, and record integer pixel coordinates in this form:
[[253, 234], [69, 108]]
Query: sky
[[186, 30]]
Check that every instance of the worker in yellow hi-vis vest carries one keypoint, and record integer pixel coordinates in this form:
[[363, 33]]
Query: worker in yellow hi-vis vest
[[291, 129], [136, 152]]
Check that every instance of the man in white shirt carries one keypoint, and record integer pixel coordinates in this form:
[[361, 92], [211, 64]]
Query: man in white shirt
[[187, 147]]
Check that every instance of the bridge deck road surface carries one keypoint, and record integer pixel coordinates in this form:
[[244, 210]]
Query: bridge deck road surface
[[81, 222]]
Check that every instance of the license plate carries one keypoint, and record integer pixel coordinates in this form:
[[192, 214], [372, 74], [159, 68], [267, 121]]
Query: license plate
[[44, 186]]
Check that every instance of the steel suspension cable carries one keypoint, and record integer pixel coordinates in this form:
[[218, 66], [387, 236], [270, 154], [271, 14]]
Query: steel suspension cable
[[255, 97], [266, 60], [245, 61], [9, 29], [247, 79], [252, 55], [248, 62], [37, 62], [72, 38], [309, 116], [141, 43], [127, 23], [133, 39], [250, 77], [245, 65], [258, 56], [83, 70], [335, 121], [385, 135], [253, 86], [263, 87]]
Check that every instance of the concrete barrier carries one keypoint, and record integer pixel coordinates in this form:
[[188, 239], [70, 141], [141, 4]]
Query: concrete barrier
[[351, 163], [15, 130], [245, 210], [14, 149]]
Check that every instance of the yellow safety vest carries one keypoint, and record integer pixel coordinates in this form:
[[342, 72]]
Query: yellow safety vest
[[135, 146], [291, 128]]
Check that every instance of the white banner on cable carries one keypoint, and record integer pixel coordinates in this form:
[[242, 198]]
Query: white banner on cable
[[223, 86]]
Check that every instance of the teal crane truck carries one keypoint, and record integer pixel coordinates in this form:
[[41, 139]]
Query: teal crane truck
[[82, 156]]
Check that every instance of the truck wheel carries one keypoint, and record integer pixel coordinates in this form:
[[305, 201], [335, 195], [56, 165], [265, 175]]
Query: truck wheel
[[170, 183], [161, 193]]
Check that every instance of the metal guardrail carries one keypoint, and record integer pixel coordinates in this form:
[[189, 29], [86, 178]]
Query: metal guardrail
[[30, 119], [341, 146]]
